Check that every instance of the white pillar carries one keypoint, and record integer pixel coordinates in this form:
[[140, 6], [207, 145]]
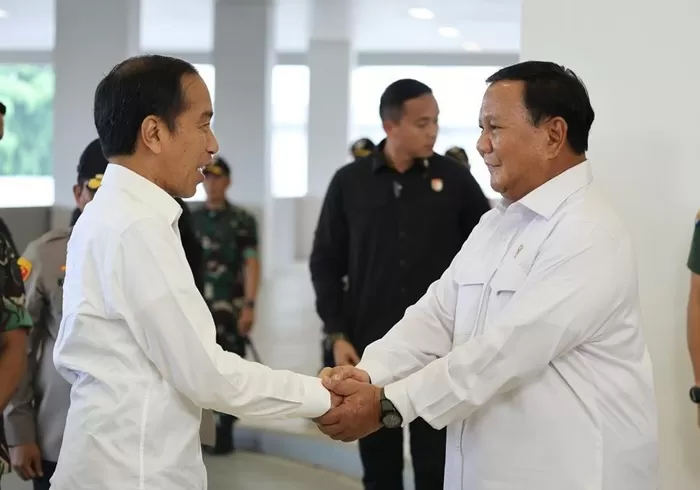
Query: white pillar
[[331, 60], [84, 52], [244, 57], [639, 61]]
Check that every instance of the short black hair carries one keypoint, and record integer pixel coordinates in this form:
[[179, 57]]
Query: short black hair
[[3, 109], [397, 94], [552, 90], [142, 86]]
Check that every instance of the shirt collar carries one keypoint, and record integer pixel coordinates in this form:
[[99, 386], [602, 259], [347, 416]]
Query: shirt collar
[[547, 198], [380, 162], [121, 178]]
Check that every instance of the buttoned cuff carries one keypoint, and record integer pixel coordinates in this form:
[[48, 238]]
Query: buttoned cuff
[[317, 399], [378, 374], [397, 393]]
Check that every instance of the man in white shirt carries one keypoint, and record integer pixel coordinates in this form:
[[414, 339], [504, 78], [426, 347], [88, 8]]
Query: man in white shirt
[[529, 348], [137, 341]]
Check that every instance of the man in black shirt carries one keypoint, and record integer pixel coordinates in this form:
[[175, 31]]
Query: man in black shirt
[[391, 223]]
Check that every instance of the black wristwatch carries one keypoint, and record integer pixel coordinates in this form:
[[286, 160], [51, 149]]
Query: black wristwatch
[[695, 394], [389, 416], [250, 304]]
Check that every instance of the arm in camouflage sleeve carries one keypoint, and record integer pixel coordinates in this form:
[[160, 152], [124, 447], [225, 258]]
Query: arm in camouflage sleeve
[[249, 245], [14, 320], [20, 416]]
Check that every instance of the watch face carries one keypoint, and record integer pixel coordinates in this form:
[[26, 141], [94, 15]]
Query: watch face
[[391, 421]]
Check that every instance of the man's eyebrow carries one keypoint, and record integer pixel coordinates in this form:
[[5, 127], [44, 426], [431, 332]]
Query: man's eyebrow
[[206, 115]]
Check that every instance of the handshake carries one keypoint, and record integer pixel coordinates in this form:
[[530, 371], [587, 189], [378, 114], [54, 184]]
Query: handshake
[[355, 407]]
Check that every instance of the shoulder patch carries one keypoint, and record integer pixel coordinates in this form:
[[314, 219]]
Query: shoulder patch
[[25, 268], [697, 218]]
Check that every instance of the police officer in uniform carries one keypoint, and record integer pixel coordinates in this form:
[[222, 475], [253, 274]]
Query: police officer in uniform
[[229, 239], [459, 154], [35, 417]]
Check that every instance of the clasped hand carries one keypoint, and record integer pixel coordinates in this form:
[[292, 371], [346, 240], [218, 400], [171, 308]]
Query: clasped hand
[[355, 411]]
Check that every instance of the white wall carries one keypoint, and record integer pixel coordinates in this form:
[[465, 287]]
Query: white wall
[[644, 150]]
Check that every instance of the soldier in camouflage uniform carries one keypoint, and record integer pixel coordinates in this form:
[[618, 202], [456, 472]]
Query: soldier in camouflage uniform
[[229, 239], [14, 323]]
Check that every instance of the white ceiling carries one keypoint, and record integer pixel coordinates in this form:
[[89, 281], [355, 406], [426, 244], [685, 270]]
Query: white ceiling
[[383, 25]]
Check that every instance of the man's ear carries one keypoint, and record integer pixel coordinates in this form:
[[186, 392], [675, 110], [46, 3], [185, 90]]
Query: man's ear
[[152, 133], [557, 132]]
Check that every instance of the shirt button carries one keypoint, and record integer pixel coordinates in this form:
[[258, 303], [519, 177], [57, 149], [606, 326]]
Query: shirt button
[[402, 263], [402, 234], [403, 290]]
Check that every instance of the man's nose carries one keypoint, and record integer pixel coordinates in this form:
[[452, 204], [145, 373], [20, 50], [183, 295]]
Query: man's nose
[[483, 145], [213, 146]]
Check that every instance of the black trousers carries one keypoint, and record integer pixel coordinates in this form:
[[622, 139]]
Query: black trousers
[[382, 457], [48, 467]]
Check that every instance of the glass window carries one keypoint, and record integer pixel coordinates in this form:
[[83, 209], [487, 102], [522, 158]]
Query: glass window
[[289, 145], [458, 90], [26, 150]]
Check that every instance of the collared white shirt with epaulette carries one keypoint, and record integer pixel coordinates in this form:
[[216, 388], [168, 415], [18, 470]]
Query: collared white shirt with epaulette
[[530, 350]]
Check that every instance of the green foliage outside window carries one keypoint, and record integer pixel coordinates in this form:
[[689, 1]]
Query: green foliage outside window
[[27, 148]]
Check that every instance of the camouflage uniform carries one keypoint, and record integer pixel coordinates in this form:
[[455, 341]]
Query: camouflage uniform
[[229, 237], [13, 315]]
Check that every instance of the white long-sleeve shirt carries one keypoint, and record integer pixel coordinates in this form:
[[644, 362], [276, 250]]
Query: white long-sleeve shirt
[[137, 343], [530, 350]]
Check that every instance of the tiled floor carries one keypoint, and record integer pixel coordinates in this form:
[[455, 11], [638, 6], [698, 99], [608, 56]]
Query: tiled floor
[[246, 471]]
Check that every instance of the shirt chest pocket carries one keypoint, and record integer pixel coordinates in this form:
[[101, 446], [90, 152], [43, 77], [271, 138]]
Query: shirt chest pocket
[[471, 281], [505, 282], [481, 296]]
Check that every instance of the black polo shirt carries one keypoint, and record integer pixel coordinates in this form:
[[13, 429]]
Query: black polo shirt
[[392, 234]]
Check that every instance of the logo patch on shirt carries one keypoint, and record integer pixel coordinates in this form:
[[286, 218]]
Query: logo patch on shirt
[[25, 268], [436, 184], [697, 218]]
